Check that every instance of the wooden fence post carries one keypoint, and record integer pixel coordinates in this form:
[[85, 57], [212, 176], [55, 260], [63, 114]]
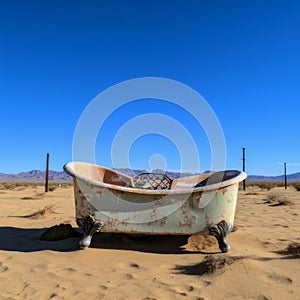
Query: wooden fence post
[[47, 174]]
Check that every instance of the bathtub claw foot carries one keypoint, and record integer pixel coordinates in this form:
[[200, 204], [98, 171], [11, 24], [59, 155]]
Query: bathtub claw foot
[[220, 232], [89, 226]]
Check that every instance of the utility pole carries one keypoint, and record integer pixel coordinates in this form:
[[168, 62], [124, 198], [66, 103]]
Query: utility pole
[[285, 178], [47, 173], [244, 167]]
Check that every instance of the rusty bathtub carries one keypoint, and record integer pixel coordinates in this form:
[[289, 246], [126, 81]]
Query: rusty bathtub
[[153, 203]]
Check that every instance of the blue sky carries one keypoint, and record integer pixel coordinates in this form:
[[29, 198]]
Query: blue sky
[[241, 56]]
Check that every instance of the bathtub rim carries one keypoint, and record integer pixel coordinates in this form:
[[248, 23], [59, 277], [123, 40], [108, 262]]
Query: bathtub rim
[[212, 187]]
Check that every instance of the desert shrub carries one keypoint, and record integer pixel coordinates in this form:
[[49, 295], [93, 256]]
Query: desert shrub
[[293, 249], [296, 185], [208, 265], [55, 185], [277, 199], [15, 185], [266, 185], [40, 213]]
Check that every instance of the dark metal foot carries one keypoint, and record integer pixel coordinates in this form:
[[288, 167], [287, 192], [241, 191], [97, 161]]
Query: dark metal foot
[[89, 226], [220, 231]]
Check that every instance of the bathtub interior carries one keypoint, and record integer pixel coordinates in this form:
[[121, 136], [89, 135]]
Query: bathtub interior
[[109, 176], [101, 174], [218, 177]]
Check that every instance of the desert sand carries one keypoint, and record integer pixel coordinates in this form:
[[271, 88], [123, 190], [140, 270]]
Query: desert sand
[[147, 267]]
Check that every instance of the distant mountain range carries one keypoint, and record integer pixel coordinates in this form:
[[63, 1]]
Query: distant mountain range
[[290, 177], [36, 176], [39, 176]]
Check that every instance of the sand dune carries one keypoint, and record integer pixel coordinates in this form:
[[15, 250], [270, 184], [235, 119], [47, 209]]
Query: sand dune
[[259, 266]]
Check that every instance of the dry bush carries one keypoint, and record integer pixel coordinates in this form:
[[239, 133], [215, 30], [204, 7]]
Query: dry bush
[[6, 186], [208, 265], [268, 185], [277, 199], [272, 197], [42, 213], [265, 185], [15, 185], [296, 185], [293, 249]]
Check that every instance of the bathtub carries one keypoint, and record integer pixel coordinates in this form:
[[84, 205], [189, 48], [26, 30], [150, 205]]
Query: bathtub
[[153, 203]]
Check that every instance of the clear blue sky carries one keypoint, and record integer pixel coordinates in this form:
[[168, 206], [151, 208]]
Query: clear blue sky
[[243, 57]]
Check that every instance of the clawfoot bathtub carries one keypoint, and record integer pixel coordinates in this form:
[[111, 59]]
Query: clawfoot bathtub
[[153, 203]]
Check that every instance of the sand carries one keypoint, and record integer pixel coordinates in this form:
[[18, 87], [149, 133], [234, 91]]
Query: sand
[[148, 267]]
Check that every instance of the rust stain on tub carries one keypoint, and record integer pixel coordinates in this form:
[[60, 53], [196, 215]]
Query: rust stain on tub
[[106, 188], [163, 221], [223, 191]]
